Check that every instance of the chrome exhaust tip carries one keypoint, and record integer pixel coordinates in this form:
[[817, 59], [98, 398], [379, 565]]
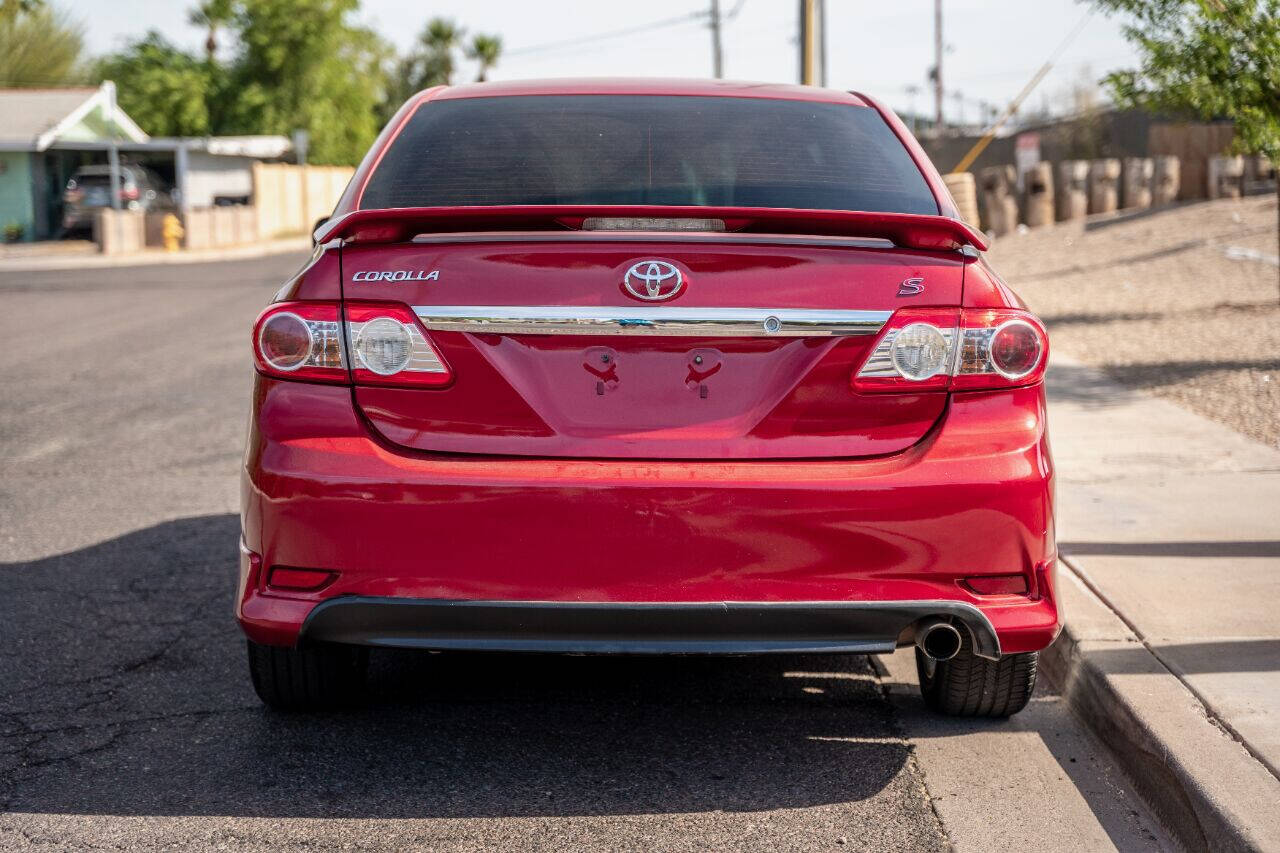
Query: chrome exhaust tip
[[938, 639]]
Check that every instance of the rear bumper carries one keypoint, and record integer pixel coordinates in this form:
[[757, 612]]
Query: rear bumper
[[867, 627], [480, 536]]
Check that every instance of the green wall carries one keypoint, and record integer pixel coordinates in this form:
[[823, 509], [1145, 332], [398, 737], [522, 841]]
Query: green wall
[[15, 192]]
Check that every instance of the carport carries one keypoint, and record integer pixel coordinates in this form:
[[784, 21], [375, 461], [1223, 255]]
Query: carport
[[47, 134]]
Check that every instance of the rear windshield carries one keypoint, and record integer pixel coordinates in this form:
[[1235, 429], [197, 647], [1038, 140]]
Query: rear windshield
[[642, 149]]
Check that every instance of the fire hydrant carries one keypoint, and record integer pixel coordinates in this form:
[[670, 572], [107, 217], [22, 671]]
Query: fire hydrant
[[172, 232]]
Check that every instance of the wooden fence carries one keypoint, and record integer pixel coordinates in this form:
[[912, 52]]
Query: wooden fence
[[289, 199], [1193, 144]]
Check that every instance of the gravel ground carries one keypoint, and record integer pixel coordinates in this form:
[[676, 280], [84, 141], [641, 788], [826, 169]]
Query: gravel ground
[[1157, 303]]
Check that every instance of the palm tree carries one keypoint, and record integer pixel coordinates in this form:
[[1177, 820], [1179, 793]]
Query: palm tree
[[485, 50], [211, 14], [439, 40]]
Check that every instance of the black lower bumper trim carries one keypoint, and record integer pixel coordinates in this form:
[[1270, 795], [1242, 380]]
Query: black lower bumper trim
[[867, 627]]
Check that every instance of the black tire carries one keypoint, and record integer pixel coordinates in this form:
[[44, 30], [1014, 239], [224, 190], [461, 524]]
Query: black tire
[[970, 686], [310, 678]]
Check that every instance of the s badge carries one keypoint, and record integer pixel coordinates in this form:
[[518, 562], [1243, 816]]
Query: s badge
[[911, 287]]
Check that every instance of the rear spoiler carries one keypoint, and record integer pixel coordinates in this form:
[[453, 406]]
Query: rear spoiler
[[395, 225]]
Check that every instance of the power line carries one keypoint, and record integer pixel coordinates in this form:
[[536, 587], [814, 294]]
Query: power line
[[610, 34], [1023, 72], [717, 49], [665, 23]]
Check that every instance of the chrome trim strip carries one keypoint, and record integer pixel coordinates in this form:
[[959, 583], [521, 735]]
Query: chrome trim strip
[[655, 237], [687, 322]]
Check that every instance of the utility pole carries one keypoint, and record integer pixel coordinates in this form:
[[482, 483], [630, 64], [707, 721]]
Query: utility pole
[[937, 64], [717, 50], [113, 149], [813, 43]]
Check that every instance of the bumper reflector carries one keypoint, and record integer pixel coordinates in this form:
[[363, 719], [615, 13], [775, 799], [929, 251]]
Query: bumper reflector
[[998, 584], [299, 580]]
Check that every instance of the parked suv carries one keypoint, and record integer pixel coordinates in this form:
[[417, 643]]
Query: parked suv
[[648, 367], [89, 190]]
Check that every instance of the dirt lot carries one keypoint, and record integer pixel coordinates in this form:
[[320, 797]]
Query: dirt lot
[[1158, 302]]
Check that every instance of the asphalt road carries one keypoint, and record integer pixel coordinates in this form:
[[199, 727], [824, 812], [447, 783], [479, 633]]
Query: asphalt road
[[127, 720]]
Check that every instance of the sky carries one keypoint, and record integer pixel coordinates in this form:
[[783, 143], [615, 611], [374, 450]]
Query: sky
[[882, 48]]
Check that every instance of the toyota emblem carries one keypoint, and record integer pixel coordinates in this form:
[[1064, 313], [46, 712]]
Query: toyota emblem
[[653, 281]]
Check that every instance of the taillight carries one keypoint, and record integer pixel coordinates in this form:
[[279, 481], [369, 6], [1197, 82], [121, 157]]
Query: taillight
[[390, 347], [384, 345], [916, 351], [960, 350], [300, 340], [999, 348]]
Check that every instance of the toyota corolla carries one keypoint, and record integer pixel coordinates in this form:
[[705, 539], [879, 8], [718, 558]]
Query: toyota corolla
[[648, 367]]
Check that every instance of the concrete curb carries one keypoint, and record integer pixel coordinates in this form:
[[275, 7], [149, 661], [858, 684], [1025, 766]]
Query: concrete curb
[[153, 256], [1203, 784]]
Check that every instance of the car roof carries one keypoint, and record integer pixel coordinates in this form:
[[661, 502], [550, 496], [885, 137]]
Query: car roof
[[646, 86]]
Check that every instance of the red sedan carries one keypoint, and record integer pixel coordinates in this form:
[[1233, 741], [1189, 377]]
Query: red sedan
[[645, 367]]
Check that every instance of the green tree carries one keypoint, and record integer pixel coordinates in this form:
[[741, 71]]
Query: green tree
[[1207, 58], [302, 66], [298, 65], [485, 50], [39, 45], [213, 15], [165, 90], [10, 8]]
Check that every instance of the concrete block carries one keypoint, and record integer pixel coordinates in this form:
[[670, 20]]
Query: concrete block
[[1073, 190], [997, 194], [1258, 168], [1226, 177], [1037, 195], [964, 190], [1104, 186], [119, 232], [1167, 180], [1259, 175], [154, 228], [1139, 173], [214, 227]]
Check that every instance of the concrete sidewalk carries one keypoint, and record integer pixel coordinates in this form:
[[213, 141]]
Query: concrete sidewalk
[[1169, 529]]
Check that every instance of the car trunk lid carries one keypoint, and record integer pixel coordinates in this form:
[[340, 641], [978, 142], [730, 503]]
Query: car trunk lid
[[554, 355]]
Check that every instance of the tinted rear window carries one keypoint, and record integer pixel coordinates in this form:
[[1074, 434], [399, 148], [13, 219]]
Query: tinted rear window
[[639, 149]]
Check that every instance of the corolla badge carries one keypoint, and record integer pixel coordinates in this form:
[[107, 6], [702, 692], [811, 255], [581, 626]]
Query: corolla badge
[[396, 275], [653, 281]]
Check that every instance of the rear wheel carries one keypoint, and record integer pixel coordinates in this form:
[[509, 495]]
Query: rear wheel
[[970, 686], [308, 678]]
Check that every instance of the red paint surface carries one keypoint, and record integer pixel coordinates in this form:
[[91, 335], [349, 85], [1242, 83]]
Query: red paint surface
[[974, 498], [795, 489]]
